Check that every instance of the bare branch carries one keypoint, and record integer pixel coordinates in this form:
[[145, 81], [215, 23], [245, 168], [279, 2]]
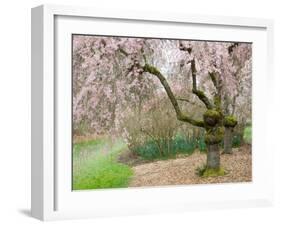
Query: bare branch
[[183, 48], [200, 94], [214, 79], [218, 86], [186, 100], [123, 52]]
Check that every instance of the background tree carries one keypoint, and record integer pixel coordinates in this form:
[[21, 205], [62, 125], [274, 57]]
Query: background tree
[[106, 82], [239, 64]]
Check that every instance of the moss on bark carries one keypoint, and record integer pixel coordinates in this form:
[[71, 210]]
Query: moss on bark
[[229, 121], [214, 136], [211, 117], [213, 172]]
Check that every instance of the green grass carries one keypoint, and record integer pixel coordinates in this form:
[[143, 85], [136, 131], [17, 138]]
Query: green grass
[[95, 165], [91, 145]]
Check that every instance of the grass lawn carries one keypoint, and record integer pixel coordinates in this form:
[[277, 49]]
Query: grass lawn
[[95, 165]]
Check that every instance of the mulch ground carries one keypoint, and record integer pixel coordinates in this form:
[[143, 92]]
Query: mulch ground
[[182, 170]]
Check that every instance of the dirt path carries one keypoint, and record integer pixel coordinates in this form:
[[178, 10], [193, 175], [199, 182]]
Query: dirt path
[[182, 170]]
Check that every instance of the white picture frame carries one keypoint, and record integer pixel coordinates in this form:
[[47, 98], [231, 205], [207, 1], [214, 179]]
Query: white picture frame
[[51, 198]]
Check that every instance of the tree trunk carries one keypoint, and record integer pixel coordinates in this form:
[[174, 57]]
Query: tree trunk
[[229, 123], [213, 157], [228, 135]]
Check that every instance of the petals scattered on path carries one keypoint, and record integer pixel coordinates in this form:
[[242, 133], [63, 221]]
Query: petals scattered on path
[[182, 170]]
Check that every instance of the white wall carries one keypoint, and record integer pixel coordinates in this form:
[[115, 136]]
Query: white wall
[[15, 111]]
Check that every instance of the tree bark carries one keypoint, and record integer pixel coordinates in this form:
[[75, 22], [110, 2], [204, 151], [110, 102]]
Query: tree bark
[[228, 135], [229, 124], [213, 157]]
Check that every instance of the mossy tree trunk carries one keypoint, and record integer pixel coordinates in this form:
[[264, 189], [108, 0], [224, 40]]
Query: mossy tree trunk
[[213, 137], [213, 156], [212, 118]]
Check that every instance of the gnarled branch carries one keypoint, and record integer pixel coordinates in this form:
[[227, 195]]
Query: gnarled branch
[[218, 87], [200, 94], [180, 116], [214, 79]]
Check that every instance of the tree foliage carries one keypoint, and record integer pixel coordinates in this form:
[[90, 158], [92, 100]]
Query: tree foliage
[[112, 80]]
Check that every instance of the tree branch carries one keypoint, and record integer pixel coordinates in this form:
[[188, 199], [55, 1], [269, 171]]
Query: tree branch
[[123, 52], [234, 104], [186, 100], [214, 79], [200, 94], [217, 85], [180, 116]]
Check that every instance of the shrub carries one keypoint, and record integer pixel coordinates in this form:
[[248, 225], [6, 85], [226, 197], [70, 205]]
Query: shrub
[[184, 144], [237, 140], [150, 134], [178, 145], [156, 133], [247, 135], [201, 143]]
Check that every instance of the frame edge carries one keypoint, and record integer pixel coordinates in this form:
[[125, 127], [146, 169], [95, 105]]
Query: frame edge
[[39, 133], [37, 161]]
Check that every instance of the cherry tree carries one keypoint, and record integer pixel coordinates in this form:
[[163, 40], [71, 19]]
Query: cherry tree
[[111, 79], [239, 61], [211, 60], [105, 77]]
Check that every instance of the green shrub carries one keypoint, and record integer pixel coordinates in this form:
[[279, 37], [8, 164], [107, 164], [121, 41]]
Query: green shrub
[[183, 144], [149, 150], [237, 140], [178, 145], [201, 143], [247, 136]]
